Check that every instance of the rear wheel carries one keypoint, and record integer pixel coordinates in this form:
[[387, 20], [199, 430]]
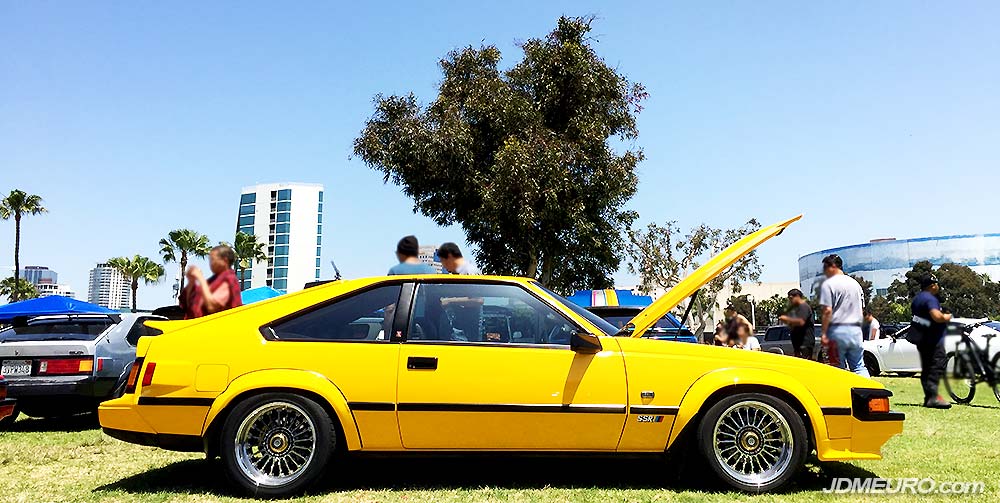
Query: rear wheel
[[872, 364], [277, 444], [996, 375], [9, 420], [753, 442], [960, 376]]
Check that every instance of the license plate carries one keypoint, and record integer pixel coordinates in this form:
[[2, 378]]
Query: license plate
[[15, 368]]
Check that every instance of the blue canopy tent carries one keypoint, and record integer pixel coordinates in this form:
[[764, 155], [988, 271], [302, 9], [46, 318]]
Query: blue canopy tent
[[258, 294], [54, 304]]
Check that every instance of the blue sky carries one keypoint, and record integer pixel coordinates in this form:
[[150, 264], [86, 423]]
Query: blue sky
[[131, 119]]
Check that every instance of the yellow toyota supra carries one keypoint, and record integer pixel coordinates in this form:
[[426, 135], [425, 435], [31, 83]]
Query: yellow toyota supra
[[445, 363]]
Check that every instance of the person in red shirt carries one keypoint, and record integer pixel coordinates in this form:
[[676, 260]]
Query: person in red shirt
[[221, 291]]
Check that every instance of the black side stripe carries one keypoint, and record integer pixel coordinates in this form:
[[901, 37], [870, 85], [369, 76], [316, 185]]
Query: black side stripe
[[836, 411], [489, 407], [179, 401], [381, 406], [661, 410]]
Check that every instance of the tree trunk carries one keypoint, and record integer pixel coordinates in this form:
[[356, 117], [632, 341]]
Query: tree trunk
[[532, 269], [242, 271], [17, 259], [184, 263], [548, 269], [135, 289]]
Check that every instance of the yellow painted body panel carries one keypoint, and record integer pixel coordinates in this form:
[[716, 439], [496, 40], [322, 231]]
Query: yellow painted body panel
[[635, 395]]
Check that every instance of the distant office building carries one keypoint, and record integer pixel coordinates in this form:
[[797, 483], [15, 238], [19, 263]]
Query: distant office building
[[883, 261], [39, 275], [429, 256], [288, 217], [47, 289], [109, 288]]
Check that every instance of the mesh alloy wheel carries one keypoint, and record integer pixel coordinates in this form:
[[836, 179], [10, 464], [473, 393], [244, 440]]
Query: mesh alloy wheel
[[753, 443], [275, 443]]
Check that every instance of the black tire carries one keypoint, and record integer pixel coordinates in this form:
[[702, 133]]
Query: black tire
[[996, 375], [960, 376], [785, 447], [871, 363], [8, 421], [293, 432]]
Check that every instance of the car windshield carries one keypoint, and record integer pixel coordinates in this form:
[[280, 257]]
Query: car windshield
[[57, 330], [594, 319], [663, 324]]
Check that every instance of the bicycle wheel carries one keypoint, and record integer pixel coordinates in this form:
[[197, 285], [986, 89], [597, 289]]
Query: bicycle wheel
[[960, 375], [996, 375]]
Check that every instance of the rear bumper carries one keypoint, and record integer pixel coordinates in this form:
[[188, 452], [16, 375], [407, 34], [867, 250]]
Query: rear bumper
[[55, 386], [182, 443]]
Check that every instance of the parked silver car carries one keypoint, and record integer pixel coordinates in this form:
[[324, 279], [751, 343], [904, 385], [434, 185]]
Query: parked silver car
[[67, 364]]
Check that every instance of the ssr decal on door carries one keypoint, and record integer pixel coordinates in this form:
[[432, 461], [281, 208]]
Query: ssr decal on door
[[645, 418]]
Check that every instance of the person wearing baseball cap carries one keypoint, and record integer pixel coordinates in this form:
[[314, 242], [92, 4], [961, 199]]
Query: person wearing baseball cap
[[927, 332], [408, 254]]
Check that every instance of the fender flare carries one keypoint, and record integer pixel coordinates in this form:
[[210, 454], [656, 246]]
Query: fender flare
[[291, 380], [693, 401]]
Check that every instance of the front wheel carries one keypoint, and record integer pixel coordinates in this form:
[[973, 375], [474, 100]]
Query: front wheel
[[753, 442], [871, 363], [276, 444], [960, 377]]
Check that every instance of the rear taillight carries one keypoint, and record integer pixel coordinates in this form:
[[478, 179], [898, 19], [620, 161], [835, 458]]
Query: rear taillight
[[147, 376], [133, 376], [65, 366]]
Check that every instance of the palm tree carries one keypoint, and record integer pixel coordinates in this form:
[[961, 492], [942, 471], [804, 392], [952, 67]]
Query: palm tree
[[183, 242], [137, 268], [248, 250], [17, 289], [17, 204]]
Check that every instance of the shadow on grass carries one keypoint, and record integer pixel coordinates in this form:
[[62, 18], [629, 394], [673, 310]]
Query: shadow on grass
[[953, 406], [80, 422], [448, 472]]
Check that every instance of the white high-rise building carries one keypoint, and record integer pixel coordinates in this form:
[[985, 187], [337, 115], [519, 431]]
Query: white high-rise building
[[288, 218], [109, 288]]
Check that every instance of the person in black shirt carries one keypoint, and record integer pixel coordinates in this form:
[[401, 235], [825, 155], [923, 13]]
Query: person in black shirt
[[800, 323], [930, 321]]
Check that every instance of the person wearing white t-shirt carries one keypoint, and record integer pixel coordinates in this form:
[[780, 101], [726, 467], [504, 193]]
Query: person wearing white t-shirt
[[871, 327], [748, 341]]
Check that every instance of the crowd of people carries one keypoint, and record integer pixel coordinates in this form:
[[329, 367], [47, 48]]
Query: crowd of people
[[845, 323]]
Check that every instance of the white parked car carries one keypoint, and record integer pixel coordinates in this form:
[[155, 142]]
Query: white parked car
[[897, 355]]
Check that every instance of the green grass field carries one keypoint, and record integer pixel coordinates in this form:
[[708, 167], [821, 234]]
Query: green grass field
[[71, 460]]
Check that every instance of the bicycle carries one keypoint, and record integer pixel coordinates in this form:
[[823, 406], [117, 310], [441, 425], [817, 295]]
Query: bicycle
[[969, 364]]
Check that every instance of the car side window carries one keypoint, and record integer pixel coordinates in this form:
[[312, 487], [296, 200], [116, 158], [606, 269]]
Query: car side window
[[491, 313], [772, 334], [139, 329], [364, 316]]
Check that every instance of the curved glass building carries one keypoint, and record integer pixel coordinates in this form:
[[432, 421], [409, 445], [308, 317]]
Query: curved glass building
[[883, 260]]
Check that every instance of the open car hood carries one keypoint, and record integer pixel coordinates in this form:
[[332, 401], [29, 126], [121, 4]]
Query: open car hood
[[702, 275]]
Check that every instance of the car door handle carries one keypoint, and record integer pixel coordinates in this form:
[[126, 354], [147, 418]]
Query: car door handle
[[422, 363]]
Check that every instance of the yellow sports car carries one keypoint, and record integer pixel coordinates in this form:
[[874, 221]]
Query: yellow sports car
[[481, 363]]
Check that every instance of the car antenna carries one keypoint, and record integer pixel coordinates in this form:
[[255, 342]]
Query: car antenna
[[336, 272]]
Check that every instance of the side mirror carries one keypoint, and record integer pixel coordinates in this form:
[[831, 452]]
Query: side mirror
[[582, 342]]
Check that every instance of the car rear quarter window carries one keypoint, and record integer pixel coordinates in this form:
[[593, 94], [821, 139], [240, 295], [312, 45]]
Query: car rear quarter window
[[358, 317]]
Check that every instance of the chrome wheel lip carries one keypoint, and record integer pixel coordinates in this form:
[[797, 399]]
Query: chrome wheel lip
[[279, 431], [753, 443]]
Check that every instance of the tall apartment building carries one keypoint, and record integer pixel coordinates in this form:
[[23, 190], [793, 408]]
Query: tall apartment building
[[39, 275], [288, 217], [109, 288], [429, 255]]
